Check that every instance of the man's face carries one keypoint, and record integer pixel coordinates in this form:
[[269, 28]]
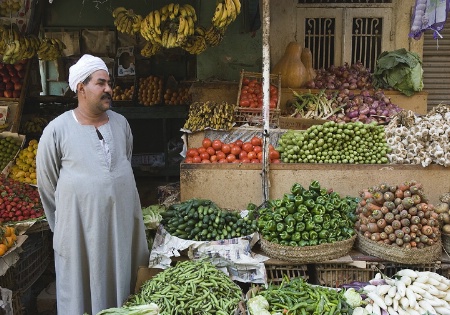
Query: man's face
[[98, 91]]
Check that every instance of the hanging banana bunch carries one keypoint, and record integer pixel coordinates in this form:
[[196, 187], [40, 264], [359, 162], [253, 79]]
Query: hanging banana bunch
[[150, 49], [13, 46], [50, 49], [126, 21], [225, 13], [214, 35]]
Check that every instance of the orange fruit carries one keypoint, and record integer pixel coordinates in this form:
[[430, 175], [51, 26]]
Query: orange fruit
[[8, 241], [3, 249]]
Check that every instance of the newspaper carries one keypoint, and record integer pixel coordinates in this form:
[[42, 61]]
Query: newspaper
[[232, 256]]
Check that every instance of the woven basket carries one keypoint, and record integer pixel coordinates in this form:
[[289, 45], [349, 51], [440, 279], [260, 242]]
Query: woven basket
[[400, 255], [446, 242], [307, 254]]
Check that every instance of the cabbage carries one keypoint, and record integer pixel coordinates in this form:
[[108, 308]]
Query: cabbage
[[152, 216], [352, 297], [399, 69], [258, 305]]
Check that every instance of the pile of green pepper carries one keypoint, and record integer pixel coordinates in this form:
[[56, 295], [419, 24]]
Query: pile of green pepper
[[297, 297], [306, 217]]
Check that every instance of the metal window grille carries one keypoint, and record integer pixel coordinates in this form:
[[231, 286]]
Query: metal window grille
[[320, 34], [366, 41]]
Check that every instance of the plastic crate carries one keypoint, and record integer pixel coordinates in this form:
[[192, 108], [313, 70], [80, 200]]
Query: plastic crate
[[276, 273], [334, 275], [253, 116]]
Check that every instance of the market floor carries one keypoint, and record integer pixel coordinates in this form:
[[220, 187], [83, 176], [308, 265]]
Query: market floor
[[148, 188]]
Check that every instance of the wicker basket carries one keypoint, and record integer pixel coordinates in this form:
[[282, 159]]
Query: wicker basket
[[446, 242], [400, 255], [308, 254]]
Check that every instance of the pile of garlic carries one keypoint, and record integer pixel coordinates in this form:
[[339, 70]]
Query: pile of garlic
[[420, 139]]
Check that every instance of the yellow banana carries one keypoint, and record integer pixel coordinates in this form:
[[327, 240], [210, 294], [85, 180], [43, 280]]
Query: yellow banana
[[119, 17], [165, 37], [191, 25], [151, 20], [176, 9], [191, 11], [170, 8], [181, 24], [157, 21], [183, 12], [217, 13], [231, 9], [117, 10], [237, 4]]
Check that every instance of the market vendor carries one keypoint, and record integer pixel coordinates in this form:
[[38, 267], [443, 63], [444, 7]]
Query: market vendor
[[89, 194]]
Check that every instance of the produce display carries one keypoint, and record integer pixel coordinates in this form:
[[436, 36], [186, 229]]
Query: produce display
[[352, 77], [24, 168], [11, 79], [15, 47], [152, 216], [9, 147], [10, 7], [19, 201], [35, 124], [408, 292], [397, 215], [190, 287], [177, 96], [443, 210], [307, 217], [352, 142], [150, 90], [203, 220], [252, 94], [144, 309], [225, 13], [126, 21], [297, 297], [420, 139], [291, 68], [123, 94], [209, 114], [215, 151], [8, 238], [399, 69]]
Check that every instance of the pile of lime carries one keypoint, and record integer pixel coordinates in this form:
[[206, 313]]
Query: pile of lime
[[9, 146]]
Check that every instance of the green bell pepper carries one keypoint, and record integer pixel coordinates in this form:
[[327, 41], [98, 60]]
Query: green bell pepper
[[283, 211], [297, 189], [288, 197], [289, 219], [277, 217], [309, 203], [317, 227], [326, 224], [298, 216], [302, 243], [307, 195], [280, 227], [329, 207], [302, 209], [297, 236], [300, 226], [305, 236], [313, 235], [321, 200], [314, 185], [331, 239], [270, 226], [310, 225], [318, 219], [284, 235], [293, 243], [324, 234], [261, 224], [251, 206], [284, 242], [323, 241], [290, 228], [314, 243], [323, 192], [298, 200], [318, 209], [290, 206]]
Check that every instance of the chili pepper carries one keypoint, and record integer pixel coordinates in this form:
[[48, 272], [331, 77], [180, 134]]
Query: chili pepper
[[318, 218], [307, 195], [298, 200], [318, 209], [280, 227], [321, 200], [300, 226], [310, 225], [297, 189], [293, 243], [305, 236], [270, 226], [297, 236], [313, 235], [324, 234], [284, 235], [314, 185], [290, 228], [277, 217], [309, 203], [297, 216], [290, 206]]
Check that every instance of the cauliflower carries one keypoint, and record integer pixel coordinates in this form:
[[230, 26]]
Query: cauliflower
[[352, 297]]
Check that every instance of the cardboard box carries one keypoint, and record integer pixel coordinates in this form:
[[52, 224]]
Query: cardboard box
[[144, 274], [125, 61], [299, 123]]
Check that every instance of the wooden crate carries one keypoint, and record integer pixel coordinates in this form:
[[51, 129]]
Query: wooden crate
[[299, 123], [276, 273], [334, 275]]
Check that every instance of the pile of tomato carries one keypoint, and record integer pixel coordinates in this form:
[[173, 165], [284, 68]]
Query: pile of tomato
[[216, 151], [252, 94]]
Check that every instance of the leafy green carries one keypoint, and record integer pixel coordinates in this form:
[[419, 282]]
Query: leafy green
[[399, 69], [152, 216]]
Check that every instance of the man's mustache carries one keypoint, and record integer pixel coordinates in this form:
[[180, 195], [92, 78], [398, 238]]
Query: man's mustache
[[106, 95]]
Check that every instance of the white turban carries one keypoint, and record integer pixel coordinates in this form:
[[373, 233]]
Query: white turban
[[84, 67]]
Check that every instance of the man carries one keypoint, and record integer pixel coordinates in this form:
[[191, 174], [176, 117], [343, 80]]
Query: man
[[89, 194]]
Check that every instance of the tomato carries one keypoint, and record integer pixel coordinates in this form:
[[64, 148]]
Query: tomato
[[242, 155], [206, 143], [253, 104], [206, 161], [217, 144], [196, 159], [236, 161], [201, 150], [211, 151], [235, 150], [274, 154], [223, 161], [220, 155], [239, 143], [257, 148], [259, 156], [245, 81], [255, 161], [204, 156], [271, 147], [276, 161], [252, 155], [226, 148], [192, 152], [188, 160], [247, 146], [244, 103], [272, 104], [231, 158], [213, 158], [245, 160], [256, 141]]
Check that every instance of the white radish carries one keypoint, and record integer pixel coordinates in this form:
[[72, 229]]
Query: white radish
[[376, 309], [401, 288], [439, 278], [407, 272], [447, 297], [383, 289], [391, 292], [378, 275], [388, 300], [377, 300], [391, 311], [441, 310], [406, 280], [421, 285], [442, 286], [401, 311], [411, 298], [427, 306], [417, 289], [369, 308], [397, 296], [390, 281], [370, 288], [434, 301], [404, 302], [422, 279], [412, 311], [433, 281], [395, 304], [418, 296]]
